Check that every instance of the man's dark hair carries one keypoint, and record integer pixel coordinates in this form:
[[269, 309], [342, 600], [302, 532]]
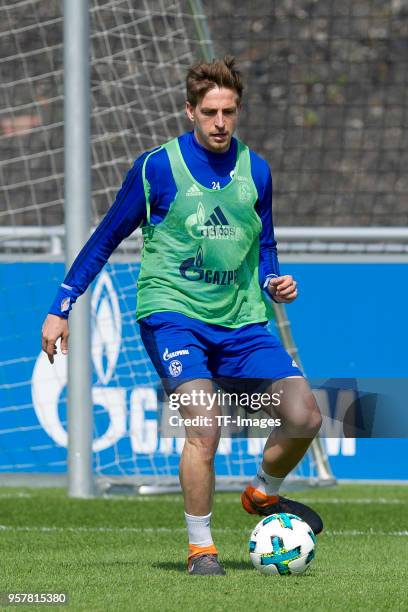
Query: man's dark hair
[[204, 76]]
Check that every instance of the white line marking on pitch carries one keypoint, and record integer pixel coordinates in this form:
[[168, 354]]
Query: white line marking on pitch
[[333, 500], [177, 499], [370, 532], [51, 529], [368, 500], [14, 495]]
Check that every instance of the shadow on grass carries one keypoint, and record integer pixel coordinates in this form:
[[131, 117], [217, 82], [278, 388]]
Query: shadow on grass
[[170, 566], [178, 566], [238, 565]]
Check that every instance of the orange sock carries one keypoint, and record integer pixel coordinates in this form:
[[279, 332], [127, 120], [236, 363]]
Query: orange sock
[[195, 551]]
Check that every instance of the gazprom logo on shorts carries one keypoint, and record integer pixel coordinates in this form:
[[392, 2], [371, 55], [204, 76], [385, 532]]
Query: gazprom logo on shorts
[[167, 355], [192, 269], [175, 367]]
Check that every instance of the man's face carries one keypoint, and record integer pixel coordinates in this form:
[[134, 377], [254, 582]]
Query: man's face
[[215, 118]]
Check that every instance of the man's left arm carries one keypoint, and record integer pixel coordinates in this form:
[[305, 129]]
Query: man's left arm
[[277, 287]]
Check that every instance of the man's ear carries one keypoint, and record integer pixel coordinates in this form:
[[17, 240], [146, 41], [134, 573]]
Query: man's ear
[[189, 108]]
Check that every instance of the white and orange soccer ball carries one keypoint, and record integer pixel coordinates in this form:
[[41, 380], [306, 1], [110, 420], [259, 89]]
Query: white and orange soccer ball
[[282, 544]]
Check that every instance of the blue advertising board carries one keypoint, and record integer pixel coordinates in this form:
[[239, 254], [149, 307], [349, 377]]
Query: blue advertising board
[[346, 325]]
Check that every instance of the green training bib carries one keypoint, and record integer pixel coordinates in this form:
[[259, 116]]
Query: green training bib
[[202, 260]]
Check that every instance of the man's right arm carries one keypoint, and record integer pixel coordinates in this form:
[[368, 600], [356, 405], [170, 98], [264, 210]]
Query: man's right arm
[[124, 216]]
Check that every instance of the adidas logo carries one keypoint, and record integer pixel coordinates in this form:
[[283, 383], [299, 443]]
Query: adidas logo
[[217, 217], [194, 191], [217, 227]]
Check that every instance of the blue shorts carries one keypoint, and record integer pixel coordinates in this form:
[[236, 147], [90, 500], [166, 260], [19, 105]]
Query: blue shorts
[[182, 348]]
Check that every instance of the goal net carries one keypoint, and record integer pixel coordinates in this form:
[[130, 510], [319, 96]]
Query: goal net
[[326, 106]]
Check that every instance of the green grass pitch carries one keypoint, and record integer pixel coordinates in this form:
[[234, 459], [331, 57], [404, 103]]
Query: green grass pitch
[[129, 553]]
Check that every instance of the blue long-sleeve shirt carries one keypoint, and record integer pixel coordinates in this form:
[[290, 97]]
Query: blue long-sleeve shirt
[[128, 211]]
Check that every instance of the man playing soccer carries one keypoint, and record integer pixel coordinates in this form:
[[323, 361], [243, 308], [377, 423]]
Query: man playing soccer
[[209, 269]]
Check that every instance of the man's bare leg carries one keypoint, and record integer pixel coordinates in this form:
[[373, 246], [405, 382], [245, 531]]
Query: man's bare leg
[[285, 447], [196, 470], [197, 479], [301, 421]]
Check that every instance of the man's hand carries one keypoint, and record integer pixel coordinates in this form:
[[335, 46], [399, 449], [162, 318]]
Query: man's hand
[[283, 289], [54, 327]]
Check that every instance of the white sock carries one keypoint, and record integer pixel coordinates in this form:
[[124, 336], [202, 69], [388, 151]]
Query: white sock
[[199, 529], [269, 485]]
